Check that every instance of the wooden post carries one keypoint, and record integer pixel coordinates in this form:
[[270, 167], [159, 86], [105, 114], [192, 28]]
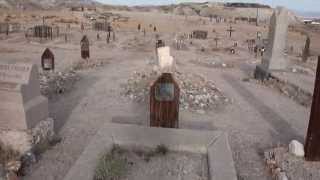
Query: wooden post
[[257, 22], [85, 47], [306, 50], [312, 146], [216, 39], [230, 31], [164, 102]]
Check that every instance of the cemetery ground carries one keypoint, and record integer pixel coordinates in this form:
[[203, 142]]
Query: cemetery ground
[[256, 116]]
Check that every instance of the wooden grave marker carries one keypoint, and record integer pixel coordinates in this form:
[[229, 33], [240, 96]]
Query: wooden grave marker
[[164, 102], [47, 60], [85, 47]]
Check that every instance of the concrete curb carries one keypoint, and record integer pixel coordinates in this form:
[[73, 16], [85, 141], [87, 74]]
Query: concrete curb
[[213, 143]]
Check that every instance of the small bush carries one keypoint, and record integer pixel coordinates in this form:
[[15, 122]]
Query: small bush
[[7, 154], [111, 165], [161, 149]]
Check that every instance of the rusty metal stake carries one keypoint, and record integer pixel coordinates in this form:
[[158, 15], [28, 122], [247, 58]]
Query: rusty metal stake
[[312, 145]]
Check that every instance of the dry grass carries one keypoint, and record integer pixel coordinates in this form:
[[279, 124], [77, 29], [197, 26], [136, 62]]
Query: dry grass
[[111, 166], [7, 154]]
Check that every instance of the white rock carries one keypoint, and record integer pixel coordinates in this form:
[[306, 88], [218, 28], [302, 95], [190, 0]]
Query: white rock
[[296, 148], [282, 176], [200, 111], [294, 70]]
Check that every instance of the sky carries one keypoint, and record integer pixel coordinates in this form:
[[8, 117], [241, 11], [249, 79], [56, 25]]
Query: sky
[[300, 5]]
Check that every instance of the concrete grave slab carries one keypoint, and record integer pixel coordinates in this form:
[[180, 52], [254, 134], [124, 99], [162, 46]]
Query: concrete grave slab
[[213, 143], [24, 117], [22, 106]]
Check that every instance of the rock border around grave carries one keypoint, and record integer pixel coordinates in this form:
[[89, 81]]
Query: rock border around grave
[[213, 143]]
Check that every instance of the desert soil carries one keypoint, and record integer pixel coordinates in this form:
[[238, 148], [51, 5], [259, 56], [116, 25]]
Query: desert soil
[[258, 118]]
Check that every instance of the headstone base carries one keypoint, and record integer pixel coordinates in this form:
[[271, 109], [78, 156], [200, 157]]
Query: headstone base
[[261, 73], [24, 140]]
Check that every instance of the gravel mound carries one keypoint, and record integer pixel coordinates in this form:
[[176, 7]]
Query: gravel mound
[[196, 93], [55, 83]]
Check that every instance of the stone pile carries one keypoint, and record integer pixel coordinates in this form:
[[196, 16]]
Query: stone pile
[[284, 165], [57, 82], [196, 93]]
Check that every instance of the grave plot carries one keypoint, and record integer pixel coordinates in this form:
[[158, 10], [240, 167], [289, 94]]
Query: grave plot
[[143, 164], [139, 44], [142, 153], [91, 64], [196, 93], [213, 62], [42, 32]]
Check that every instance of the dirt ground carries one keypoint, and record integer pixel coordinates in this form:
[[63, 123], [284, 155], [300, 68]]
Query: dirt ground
[[258, 118]]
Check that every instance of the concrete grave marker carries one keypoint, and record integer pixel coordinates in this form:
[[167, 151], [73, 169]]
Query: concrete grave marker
[[47, 60], [165, 60], [22, 106], [274, 58], [164, 102]]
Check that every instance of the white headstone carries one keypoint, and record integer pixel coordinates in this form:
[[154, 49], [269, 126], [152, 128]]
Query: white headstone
[[296, 148], [274, 58], [22, 106], [165, 60]]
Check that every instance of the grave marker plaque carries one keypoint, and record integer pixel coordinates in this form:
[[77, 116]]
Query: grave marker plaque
[[164, 102], [85, 47], [47, 60]]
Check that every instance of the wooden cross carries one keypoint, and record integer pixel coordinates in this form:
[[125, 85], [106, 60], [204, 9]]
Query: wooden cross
[[216, 39], [230, 31]]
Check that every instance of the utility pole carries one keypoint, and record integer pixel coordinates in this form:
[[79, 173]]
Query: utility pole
[[257, 22], [312, 148]]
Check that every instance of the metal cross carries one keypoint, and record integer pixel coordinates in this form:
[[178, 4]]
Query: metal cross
[[230, 31]]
